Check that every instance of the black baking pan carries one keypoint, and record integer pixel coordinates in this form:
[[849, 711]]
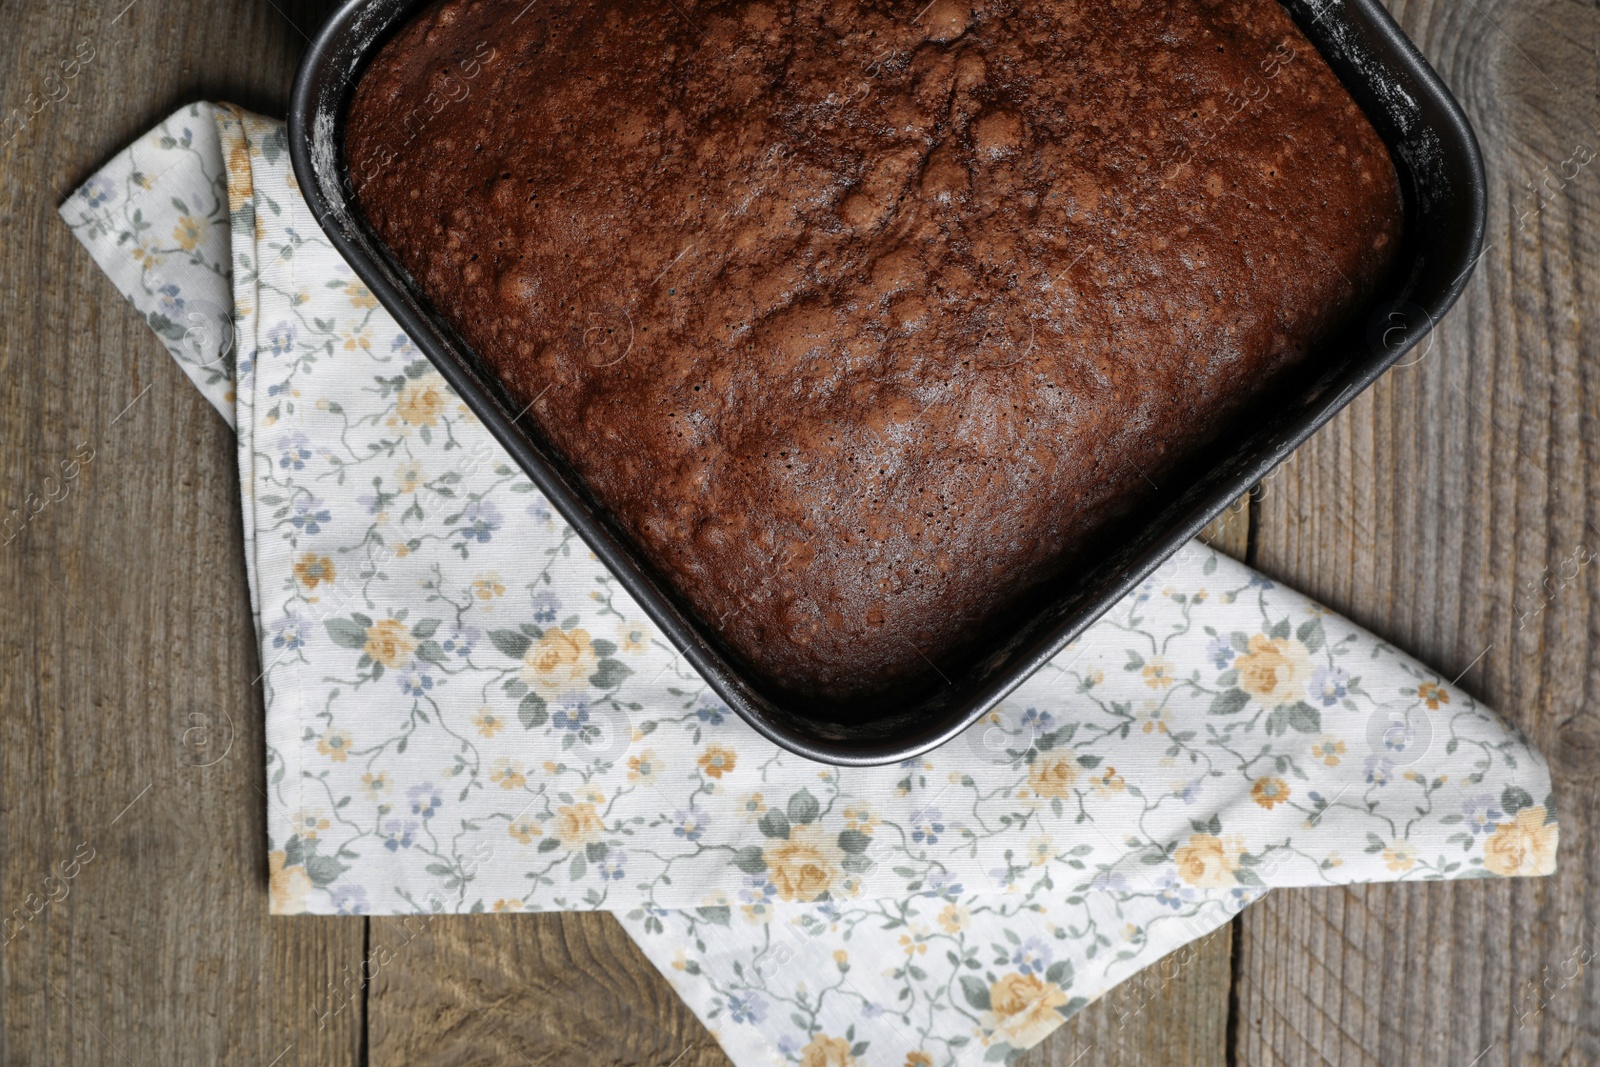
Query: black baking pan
[[1441, 177]]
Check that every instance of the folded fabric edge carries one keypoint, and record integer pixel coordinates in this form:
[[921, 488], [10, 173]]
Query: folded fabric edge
[[188, 306], [1016, 1013]]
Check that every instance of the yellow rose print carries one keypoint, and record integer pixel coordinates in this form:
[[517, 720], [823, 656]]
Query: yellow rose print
[[1109, 782], [578, 824], [825, 1051], [803, 867], [420, 403], [1023, 1009], [389, 643], [559, 662], [286, 886], [1274, 670], [1052, 776], [1526, 845], [1208, 862]]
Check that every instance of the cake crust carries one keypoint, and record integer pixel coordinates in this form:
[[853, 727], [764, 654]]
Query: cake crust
[[863, 318]]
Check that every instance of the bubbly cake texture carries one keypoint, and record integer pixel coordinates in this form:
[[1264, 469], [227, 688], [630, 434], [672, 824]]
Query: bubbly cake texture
[[862, 319]]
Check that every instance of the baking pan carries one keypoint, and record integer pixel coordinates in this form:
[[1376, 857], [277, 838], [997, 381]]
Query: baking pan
[[1441, 178]]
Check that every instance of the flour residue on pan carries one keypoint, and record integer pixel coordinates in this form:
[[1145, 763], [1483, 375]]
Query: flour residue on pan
[[325, 158], [366, 24], [1339, 38]]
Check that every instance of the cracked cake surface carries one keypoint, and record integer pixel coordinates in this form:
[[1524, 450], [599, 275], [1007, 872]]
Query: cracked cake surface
[[862, 319]]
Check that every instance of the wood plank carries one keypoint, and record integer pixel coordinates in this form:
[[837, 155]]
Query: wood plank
[[126, 619], [493, 989], [1431, 511], [1369, 548], [1230, 531]]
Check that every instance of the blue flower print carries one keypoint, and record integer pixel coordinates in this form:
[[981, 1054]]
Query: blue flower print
[[171, 302], [293, 451], [1329, 685], [708, 709], [425, 799], [749, 1008], [398, 834], [98, 190], [942, 884], [460, 641], [480, 520], [309, 515], [289, 633], [1031, 957], [1174, 894], [1482, 813], [546, 606], [350, 900], [1380, 770], [926, 826], [415, 680], [690, 825], [610, 867], [280, 339], [757, 890], [573, 718], [1036, 722]]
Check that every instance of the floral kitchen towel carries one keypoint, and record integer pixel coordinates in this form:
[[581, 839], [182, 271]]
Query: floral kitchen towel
[[465, 712]]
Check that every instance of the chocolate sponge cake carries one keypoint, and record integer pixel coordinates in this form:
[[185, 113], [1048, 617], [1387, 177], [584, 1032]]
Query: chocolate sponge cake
[[862, 319]]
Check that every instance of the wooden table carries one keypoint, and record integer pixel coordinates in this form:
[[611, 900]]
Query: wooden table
[[1433, 511]]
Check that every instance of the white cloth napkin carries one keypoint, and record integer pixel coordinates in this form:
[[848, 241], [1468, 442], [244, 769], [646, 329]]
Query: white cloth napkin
[[466, 713]]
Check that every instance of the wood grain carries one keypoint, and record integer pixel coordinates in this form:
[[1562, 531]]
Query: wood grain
[[126, 624], [1431, 511], [546, 989]]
